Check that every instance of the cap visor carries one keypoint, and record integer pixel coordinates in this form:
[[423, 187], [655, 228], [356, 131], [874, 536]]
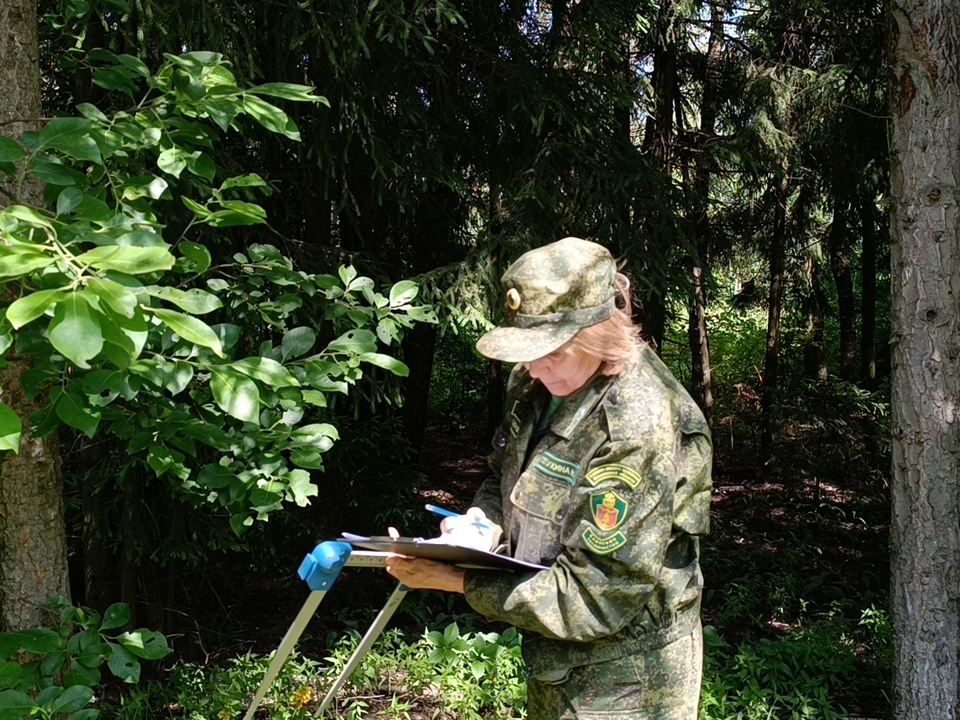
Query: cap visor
[[515, 345]]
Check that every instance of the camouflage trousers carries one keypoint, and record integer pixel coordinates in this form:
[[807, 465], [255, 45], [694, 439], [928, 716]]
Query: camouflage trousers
[[663, 684]]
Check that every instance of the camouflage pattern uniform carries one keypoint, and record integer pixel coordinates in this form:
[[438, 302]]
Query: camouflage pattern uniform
[[612, 497]]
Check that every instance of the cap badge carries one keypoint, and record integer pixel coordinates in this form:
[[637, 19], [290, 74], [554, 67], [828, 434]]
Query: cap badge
[[513, 299]]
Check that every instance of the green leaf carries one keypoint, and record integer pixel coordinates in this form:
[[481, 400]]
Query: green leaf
[[117, 615], [288, 91], [129, 61], [197, 253], [236, 394], [129, 260], [75, 332], [297, 342], [201, 211], [172, 161], [117, 297], [39, 641], [20, 264], [216, 477], [124, 664], [270, 116], [266, 370], [194, 301], [10, 429], [145, 644], [319, 436], [68, 199], [10, 673], [315, 398], [92, 112], [423, 314], [403, 293], [355, 341], [190, 329], [89, 713], [74, 412], [387, 362], [300, 487], [15, 704], [249, 180], [71, 136], [202, 165], [29, 307], [102, 387], [10, 150], [72, 699], [52, 170]]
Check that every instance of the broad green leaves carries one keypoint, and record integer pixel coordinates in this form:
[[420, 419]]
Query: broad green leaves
[[222, 376]]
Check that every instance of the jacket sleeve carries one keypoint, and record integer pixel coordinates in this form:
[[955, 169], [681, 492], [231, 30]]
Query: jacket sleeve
[[602, 579], [619, 543]]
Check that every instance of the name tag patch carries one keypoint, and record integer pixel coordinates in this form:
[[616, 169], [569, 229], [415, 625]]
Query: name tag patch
[[603, 545], [558, 468], [614, 472]]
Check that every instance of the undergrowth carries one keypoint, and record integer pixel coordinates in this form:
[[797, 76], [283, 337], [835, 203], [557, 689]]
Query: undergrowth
[[808, 673]]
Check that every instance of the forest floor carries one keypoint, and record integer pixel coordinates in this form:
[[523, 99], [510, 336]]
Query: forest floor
[[806, 539]]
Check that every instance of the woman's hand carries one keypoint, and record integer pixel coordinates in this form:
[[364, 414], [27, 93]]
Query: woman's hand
[[420, 574]]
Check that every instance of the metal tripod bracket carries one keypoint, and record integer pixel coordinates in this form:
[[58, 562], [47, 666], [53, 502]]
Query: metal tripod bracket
[[319, 569]]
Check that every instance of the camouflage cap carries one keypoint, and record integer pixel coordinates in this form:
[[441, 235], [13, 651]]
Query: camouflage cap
[[552, 292]]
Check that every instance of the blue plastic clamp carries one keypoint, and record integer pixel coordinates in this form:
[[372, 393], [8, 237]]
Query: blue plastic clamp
[[322, 566]]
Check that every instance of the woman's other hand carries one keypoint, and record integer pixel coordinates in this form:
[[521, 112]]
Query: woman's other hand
[[420, 574]]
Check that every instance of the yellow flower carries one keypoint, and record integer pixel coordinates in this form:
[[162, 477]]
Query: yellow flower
[[225, 714], [301, 697]]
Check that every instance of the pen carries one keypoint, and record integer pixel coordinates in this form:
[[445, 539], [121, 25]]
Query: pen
[[442, 512]]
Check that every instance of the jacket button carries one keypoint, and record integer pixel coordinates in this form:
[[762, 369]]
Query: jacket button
[[501, 441], [560, 515], [614, 398]]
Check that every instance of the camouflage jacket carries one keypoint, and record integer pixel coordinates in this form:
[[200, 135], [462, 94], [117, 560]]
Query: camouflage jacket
[[612, 499]]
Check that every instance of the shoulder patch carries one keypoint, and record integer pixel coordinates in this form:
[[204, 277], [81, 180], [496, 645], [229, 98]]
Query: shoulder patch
[[556, 467], [603, 545], [609, 510], [615, 472]]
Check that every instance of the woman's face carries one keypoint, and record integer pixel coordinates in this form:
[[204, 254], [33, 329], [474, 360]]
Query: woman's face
[[564, 371]]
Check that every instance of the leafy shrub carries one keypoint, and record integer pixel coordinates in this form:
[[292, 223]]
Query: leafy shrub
[[51, 673]]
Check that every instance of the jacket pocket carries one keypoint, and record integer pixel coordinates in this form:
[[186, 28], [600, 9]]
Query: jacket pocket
[[540, 504]]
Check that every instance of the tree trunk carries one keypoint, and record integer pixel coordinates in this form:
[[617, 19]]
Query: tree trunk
[[814, 304], [771, 366], [658, 145], [925, 270], [33, 545], [843, 278], [700, 371], [868, 298]]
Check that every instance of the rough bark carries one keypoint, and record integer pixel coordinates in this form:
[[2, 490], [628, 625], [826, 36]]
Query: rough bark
[[33, 546], [925, 277]]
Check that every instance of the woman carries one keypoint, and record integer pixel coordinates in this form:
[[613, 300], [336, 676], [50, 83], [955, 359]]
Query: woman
[[601, 472]]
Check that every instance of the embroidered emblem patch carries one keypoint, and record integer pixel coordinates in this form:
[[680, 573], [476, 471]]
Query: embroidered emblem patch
[[614, 472], [556, 467], [609, 510], [514, 420], [603, 545]]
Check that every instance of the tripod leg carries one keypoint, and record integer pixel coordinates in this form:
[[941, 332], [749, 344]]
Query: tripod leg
[[364, 647], [286, 647]]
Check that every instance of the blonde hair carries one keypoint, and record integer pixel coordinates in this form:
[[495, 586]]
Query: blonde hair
[[616, 340]]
